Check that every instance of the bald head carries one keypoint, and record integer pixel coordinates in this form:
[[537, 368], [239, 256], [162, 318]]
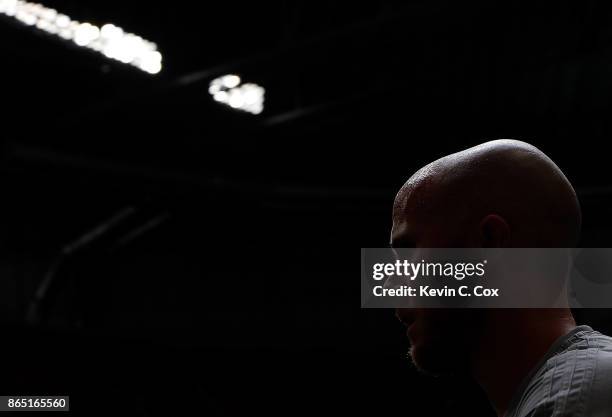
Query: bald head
[[500, 193]]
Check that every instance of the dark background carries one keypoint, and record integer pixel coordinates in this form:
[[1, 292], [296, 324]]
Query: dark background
[[225, 279]]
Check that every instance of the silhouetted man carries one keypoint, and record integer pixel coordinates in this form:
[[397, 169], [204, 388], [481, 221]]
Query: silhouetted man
[[530, 362]]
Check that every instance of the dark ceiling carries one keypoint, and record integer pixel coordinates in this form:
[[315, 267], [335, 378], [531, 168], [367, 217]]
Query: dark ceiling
[[357, 97]]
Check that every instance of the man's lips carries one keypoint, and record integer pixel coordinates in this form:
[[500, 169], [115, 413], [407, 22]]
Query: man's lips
[[408, 322], [410, 330]]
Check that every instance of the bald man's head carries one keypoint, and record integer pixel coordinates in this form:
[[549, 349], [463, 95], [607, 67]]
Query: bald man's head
[[500, 193], [503, 193]]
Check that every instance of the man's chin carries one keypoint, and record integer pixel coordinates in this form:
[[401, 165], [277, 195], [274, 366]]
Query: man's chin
[[437, 360]]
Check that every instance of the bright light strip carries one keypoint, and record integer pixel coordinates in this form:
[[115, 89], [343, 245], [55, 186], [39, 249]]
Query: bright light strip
[[108, 40], [247, 97]]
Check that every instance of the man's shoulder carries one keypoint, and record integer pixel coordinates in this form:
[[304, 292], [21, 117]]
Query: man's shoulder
[[576, 381]]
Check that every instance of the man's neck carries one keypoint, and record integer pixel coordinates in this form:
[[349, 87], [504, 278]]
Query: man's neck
[[513, 343]]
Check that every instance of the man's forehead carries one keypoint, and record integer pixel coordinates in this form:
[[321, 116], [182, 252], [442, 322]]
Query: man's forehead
[[404, 212], [413, 204], [411, 197], [399, 204]]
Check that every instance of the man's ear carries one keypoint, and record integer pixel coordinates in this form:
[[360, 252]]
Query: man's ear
[[494, 232]]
